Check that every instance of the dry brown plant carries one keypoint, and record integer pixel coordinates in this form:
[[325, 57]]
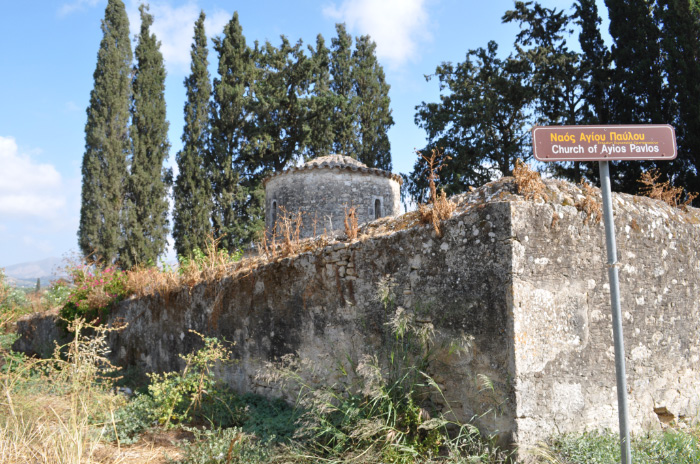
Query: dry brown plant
[[439, 208], [285, 238], [64, 421], [350, 222], [529, 182], [664, 191], [589, 204]]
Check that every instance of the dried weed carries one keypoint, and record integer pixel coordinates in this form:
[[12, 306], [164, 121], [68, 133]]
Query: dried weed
[[664, 191], [350, 222], [529, 182], [590, 203], [440, 207]]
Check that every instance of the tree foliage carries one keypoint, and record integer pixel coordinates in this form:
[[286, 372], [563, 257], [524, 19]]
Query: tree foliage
[[481, 121], [650, 74], [236, 202], [371, 139], [192, 190], [146, 203], [104, 164]]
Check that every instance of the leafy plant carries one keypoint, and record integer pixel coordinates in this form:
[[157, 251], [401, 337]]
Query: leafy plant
[[387, 413], [96, 291], [232, 446], [178, 396]]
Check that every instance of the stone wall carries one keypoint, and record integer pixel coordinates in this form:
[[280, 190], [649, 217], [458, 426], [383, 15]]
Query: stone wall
[[562, 322], [527, 280], [323, 194]]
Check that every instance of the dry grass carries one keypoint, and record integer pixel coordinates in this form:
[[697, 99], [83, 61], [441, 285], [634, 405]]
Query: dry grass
[[590, 204], [529, 182], [439, 207], [350, 222], [664, 191], [56, 410]]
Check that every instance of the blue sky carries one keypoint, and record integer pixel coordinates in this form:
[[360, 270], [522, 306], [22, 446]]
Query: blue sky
[[48, 51]]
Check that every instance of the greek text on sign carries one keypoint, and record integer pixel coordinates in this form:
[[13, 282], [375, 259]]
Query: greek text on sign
[[603, 143]]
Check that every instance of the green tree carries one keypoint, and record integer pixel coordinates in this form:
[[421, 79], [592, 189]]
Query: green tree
[[636, 52], [277, 104], [557, 73], [344, 114], [237, 205], [321, 101], [681, 46], [595, 63], [146, 203], [482, 120], [374, 119], [104, 166], [192, 190]]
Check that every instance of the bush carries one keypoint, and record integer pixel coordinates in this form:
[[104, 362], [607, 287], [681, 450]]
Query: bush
[[96, 291], [228, 445]]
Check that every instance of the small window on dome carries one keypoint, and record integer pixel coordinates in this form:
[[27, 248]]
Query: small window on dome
[[274, 214], [377, 208]]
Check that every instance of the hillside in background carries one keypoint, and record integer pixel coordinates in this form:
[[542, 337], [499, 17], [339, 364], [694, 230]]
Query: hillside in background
[[25, 274]]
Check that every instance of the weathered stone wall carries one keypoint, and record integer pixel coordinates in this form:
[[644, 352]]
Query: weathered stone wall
[[324, 307], [527, 280], [564, 355], [323, 194]]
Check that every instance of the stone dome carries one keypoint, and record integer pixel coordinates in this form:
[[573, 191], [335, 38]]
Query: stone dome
[[324, 187]]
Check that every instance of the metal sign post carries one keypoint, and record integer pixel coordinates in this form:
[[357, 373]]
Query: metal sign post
[[602, 144], [616, 314]]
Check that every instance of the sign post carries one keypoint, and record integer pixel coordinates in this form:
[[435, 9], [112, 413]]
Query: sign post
[[602, 144]]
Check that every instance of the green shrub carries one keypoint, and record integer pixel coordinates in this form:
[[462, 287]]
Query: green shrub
[[230, 445], [179, 397], [96, 291], [57, 294], [132, 419]]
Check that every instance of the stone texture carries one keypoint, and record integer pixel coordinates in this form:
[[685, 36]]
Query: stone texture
[[323, 188], [527, 280]]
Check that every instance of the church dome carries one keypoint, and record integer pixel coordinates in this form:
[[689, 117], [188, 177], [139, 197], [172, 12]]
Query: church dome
[[323, 188]]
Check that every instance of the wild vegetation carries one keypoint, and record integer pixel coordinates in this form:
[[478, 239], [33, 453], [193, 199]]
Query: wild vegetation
[[76, 407]]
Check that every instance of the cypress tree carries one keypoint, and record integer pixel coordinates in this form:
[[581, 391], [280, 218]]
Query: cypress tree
[[106, 140], [146, 204], [192, 191], [374, 119], [237, 208], [595, 63], [681, 44], [321, 101], [344, 115], [636, 52]]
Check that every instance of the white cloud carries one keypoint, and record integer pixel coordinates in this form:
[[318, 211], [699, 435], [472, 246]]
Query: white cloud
[[174, 28], [397, 26], [27, 187], [76, 5]]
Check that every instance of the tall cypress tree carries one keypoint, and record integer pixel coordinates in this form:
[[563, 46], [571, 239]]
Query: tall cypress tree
[[639, 94], [344, 114], [192, 191], [595, 63], [374, 119], [106, 140], [321, 101], [237, 211], [146, 204], [681, 44]]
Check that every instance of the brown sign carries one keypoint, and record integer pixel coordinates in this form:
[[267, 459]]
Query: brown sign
[[601, 143]]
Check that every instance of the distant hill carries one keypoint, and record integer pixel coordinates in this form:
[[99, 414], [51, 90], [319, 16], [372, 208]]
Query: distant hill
[[25, 274]]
